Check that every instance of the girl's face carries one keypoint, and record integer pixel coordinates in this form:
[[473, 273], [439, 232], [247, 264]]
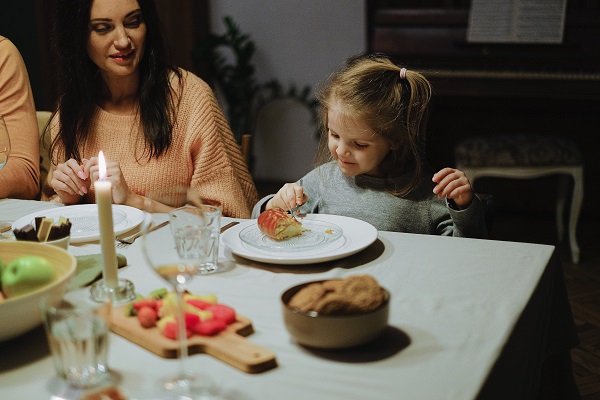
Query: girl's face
[[355, 147], [117, 35]]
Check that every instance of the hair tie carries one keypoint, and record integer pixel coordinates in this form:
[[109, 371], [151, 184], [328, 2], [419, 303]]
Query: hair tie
[[402, 73]]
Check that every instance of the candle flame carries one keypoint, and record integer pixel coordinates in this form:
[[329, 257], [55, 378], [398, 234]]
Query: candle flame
[[101, 166]]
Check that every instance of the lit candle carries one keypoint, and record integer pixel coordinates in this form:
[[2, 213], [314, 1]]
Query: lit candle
[[103, 190]]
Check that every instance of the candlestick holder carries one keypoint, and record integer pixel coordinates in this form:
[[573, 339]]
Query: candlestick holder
[[124, 292]]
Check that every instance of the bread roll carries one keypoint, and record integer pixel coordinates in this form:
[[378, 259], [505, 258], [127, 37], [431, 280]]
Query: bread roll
[[279, 225], [354, 294]]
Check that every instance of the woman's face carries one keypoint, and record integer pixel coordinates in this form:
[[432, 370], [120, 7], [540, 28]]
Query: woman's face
[[117, 36], [356, 148]]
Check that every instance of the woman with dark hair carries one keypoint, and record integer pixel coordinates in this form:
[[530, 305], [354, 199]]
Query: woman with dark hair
[[159, 127]]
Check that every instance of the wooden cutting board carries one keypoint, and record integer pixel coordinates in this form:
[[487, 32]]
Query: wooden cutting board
[[229, 346]]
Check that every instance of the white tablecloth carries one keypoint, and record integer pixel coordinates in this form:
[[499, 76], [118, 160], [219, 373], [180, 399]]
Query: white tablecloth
[[455, 304]]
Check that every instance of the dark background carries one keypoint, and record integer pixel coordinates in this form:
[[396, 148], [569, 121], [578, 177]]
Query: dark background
[[550, 89], [428, 35]]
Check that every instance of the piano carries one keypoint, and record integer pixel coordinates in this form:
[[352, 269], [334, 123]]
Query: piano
[[434, 41], [498, 87]]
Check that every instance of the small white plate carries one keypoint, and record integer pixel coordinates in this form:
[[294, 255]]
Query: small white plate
[[316, 234], [84, 219], [357, 235]]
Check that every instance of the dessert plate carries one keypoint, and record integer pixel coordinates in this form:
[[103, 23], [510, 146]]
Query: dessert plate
[[316, 234], [355, 236], [84, 219]]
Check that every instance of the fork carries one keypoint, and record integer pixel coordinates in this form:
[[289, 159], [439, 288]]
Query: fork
[[126, 241], [294, 210]]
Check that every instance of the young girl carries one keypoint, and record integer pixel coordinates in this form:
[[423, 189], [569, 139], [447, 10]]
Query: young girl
[[374, 115]]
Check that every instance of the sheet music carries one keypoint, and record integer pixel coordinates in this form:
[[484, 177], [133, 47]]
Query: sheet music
[[516, 21]]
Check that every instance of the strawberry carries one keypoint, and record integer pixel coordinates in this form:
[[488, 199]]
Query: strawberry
[[223, 312], [209, 327], [145, 302], [147, 316], [203, 314]]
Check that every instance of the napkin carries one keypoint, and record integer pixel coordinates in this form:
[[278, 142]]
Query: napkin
[[89, 269]]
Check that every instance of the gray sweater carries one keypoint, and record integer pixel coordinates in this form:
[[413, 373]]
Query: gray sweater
[[363, 197]]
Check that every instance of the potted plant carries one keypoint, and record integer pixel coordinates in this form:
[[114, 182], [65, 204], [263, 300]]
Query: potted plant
[[235, 78]]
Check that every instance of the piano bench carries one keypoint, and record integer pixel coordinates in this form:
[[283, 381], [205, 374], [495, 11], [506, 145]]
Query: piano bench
[[527, 156]]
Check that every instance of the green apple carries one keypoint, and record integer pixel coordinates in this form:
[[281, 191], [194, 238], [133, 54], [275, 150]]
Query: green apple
[[25, 274]]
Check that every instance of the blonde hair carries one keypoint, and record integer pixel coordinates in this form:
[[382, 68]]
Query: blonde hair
[[392, 102]]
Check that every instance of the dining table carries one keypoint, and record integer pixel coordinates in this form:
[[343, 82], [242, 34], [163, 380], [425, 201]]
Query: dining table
[[468, 319]]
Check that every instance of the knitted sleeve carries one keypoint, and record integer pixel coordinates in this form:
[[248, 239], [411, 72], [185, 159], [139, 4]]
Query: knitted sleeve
[[220, 174], [20, 176]]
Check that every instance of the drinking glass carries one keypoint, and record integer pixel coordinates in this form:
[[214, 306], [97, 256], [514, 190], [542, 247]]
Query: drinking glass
[[177, 255], [77, 331], [4, 143]]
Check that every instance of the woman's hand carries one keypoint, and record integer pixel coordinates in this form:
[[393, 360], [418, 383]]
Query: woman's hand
[[288, 197], [70, 182], [121, 193], [453, 184]]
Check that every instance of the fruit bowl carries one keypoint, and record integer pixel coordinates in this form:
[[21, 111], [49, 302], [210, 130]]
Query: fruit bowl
[[339, 331], [21, 314]]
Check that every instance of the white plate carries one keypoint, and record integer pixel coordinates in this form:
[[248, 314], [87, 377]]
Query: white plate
[[357, 235], [84, 219]]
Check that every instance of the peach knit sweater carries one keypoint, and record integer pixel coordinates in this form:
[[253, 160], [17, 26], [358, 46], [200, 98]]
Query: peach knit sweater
[[20, 176], [203, 154]]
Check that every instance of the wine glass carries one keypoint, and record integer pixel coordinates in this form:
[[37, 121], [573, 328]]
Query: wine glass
[[4, 143], [177, 254]]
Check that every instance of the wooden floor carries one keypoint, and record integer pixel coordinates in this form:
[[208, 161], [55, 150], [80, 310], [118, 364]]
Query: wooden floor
[[583, 285], [583, 280]]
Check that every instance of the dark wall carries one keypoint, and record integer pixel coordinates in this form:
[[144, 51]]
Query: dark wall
[[27, 24], [17, 23], [551, 89]]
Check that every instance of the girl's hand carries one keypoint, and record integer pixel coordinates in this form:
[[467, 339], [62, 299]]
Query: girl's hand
[[120, 190], [289, 196], [69, 181], [453, 184]]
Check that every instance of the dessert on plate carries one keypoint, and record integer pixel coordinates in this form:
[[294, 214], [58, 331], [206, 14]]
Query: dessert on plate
[[278, 224]]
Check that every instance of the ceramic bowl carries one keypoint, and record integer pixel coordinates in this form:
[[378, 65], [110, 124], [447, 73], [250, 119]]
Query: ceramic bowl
[[62, 243], [333, 331], [21, 314]]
